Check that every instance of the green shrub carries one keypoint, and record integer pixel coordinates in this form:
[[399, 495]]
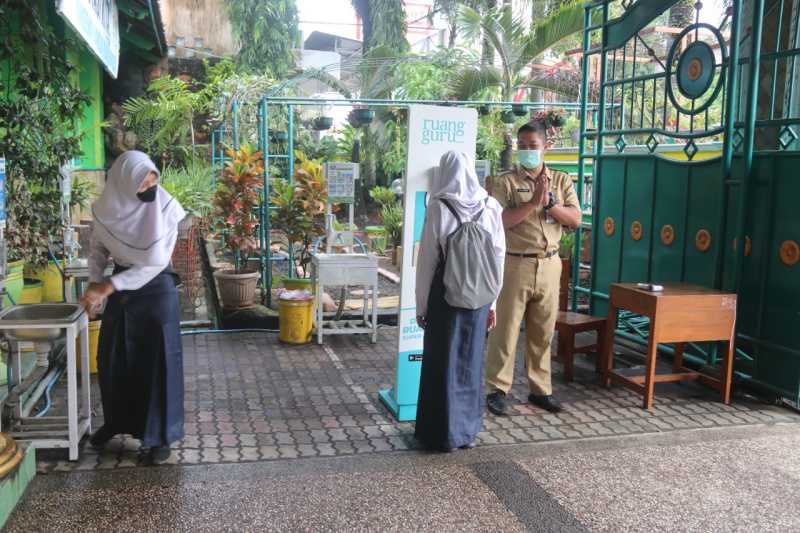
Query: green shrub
[[392, 218], [383, 196], [192, 185]]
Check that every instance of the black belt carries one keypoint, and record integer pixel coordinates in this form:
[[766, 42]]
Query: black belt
[[547, 255]]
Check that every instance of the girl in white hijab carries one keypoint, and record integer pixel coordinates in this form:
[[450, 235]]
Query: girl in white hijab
[[140, 359], [450, 403]]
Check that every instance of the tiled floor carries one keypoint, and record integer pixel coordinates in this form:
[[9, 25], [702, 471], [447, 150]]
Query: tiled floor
[[251, 398]]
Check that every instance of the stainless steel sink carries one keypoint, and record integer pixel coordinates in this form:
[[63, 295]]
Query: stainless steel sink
[[16, 321]]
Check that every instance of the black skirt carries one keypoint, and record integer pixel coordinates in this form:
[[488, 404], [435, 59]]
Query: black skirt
[[450, 405], [140, 363]]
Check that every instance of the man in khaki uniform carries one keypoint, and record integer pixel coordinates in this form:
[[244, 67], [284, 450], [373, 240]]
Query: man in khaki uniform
[[537, 202]]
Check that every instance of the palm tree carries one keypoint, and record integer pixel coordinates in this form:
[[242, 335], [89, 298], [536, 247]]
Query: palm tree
[[516, 44]]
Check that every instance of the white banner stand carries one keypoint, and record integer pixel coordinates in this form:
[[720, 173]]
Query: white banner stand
[[432, 131]]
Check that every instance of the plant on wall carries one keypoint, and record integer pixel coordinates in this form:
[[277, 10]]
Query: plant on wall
[[267, 33], [236, 201]]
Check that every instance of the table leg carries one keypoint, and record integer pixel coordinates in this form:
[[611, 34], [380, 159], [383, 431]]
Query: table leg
[[319, 312], [650, 376], [608, 344], [599, 351], [677, 362], [566, 345], [727, 369], [375, 313], [86, 379], [72, 395]]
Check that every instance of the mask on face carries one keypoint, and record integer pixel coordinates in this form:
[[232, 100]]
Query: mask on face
[[529, 158], [148, 195]]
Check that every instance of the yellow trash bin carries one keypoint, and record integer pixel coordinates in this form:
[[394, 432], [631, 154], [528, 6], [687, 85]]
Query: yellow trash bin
[[94, 341], [296, 320]]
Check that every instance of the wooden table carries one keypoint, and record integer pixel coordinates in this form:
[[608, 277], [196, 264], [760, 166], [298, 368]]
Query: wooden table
[[679, 314]]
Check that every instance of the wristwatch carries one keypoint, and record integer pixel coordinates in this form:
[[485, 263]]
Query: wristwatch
[[552, 201]]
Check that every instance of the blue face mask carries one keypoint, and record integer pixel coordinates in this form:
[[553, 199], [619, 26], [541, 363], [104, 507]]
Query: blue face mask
[[529, 158]]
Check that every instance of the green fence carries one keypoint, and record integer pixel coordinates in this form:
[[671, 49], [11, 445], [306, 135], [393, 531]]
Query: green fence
[[660, 220]]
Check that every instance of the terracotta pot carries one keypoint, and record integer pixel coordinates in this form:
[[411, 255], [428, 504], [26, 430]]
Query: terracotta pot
[[237, 291]]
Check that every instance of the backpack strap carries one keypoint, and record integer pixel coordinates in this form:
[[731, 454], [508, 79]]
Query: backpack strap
[[452, 210], [480, 213]]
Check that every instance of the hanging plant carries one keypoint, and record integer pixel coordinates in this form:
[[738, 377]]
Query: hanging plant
[[322, 123], [364, 117], [520, 110], [507, 117]]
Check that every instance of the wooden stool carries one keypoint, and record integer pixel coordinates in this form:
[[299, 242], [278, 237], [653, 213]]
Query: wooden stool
[[568, 325]]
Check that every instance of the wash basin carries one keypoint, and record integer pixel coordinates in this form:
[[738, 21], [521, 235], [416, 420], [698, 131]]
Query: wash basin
[[16, 322]]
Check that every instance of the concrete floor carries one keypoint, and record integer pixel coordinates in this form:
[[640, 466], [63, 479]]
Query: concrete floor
[[720, 479]]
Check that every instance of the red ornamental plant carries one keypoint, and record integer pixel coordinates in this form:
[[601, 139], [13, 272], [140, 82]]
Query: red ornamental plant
[[236, 200]]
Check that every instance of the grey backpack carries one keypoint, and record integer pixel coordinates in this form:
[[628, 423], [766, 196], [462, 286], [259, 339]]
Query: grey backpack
[[471, 269]]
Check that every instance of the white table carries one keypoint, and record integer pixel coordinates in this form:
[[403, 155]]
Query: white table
[[349, 270], [48, 431]]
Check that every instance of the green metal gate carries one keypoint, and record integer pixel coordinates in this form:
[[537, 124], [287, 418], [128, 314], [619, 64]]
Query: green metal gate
[[662, 220]]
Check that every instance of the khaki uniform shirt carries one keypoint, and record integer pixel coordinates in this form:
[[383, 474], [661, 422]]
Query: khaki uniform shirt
[[535, 234]]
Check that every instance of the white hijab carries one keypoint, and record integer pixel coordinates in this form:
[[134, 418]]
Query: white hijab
[[457, 181], [135, 232]]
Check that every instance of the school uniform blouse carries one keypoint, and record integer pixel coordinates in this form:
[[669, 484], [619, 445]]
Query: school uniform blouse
[[134, 277]]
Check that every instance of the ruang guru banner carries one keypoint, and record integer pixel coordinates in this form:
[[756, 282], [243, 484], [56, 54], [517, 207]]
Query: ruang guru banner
[[432, 131]]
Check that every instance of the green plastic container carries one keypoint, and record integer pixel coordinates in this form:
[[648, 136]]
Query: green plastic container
[[297, 284]]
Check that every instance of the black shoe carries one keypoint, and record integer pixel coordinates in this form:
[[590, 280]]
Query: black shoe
[[496, 402], [469, 446], [548, 403], [160, 454], [101, 437]]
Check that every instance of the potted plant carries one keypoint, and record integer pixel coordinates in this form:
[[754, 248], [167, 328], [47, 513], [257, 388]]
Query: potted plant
[[519, 110], [361, 117], [508, 117], [299, 208], [392, 218], [322, 123], [235, 202]]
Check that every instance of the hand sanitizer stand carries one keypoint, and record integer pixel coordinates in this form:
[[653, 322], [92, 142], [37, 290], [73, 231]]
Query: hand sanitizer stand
[[344, 269]]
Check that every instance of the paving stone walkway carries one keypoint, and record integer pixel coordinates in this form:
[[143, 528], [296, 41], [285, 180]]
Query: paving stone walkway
[[251, 398]]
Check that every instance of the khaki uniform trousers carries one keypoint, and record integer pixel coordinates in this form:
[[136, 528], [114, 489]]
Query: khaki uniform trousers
[[530, 292]]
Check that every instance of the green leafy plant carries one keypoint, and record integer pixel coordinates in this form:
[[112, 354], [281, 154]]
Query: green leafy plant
[[383, 196], [164, 118], [299, 208], [236, 201], [392, 219], [39, 110], [29, 221], [267, 33], [192, 186], [566, 247], [82, 193], [517, 44]]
